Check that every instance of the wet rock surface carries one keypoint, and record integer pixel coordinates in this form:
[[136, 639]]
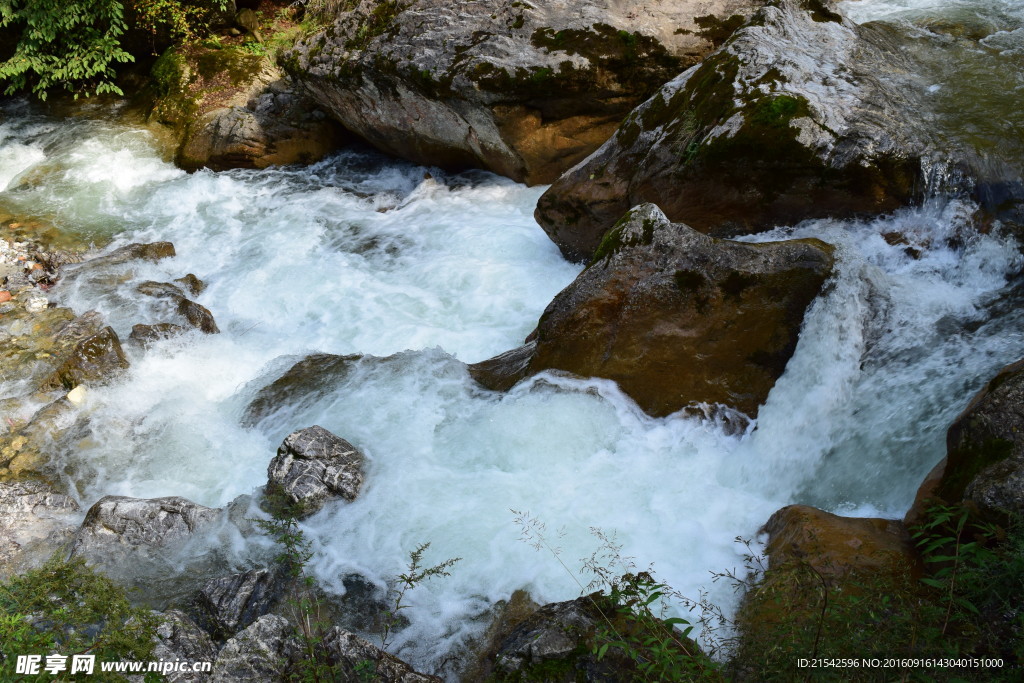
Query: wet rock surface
[[117, 527], [984, 464], [801, 114], [523, 89], [196, 315], [269, 650], [838, 546], [229, 604], [676, 317], [311, 466], [36, 522]]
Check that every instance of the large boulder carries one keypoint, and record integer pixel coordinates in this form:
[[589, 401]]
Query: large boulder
[[523, 89], [801, 114], [228, 108], [311, 466], [675, 317], [259, 653], [147, 543], [984, 463], [837, 547]]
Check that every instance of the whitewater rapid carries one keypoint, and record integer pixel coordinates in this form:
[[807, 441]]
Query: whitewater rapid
[[362, 254]]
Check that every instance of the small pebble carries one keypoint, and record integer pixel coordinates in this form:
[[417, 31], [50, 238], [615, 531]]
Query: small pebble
[[5, 296]]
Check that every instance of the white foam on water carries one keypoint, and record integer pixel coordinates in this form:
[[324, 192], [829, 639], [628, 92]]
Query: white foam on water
[[359, 254]]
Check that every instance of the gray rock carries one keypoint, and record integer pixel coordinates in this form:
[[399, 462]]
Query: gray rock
[[523, 89], [229, 604], [178, 638], [270, 650], [259, 653], [349, 655], [675, 317], [117, 526], [984, 462], [556, 643], [801, 114], [313, 465], [35, 522]]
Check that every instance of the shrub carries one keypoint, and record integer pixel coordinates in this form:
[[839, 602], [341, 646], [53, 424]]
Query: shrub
[[75, 45], [67, 608]]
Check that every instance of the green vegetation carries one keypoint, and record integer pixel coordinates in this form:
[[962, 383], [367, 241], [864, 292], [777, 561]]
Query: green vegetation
[[68, 609], [295, 551], [969, 603], [75, 45]]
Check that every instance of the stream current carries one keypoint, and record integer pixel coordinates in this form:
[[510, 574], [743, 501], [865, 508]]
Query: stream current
[[363, 254]]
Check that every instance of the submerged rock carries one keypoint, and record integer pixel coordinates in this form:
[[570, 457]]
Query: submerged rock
[[675, 317], [229, 604], [801, 114], [523, 89], [153, 251], [984, 464], [232, 109], [311, 466], [307, 378], [147, 334]]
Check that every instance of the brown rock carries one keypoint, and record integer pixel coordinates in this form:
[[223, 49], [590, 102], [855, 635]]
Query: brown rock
[[837, 546], [675, 317], [5, 296], [229, 109], [94, 360]]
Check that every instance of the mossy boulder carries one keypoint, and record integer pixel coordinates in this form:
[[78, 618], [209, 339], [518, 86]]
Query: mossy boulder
[[676, 317], [525, 89], [229, 108], [794, 117], [984, 463]]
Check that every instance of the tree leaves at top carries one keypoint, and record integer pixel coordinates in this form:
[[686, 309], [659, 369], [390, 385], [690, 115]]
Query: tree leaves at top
[[68, 44]]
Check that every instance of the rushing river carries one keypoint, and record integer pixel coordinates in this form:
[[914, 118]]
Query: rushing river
[[361, 254]]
